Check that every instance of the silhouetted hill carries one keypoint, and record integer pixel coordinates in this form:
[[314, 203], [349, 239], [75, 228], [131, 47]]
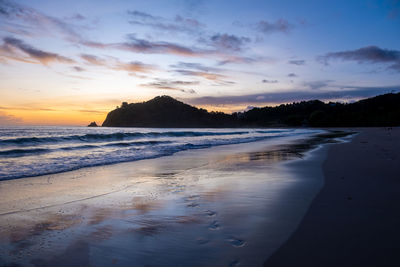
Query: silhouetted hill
[[165, 111], [383, 110]]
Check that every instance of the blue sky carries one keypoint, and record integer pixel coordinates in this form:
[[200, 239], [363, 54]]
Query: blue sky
[[69, 62]]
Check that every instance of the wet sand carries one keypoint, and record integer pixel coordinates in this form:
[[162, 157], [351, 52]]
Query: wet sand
[[355, 219], [224, 206]]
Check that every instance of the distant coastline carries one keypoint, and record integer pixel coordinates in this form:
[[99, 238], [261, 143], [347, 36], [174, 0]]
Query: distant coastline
[[167, 112]]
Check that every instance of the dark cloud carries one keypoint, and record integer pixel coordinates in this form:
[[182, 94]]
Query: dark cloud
[[269, 81], [369, 54], [315, 85], [12, 46], [281, 25], [228, 41], [346, 93], [292, 75], [297, 62]]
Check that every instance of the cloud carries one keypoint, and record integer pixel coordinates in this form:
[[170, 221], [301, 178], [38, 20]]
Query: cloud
[[6, 119], [200, 70], [281, 25], [206, 75], [176, 25], [91, 111], [76, 16], [195, 66], [172, 85], [394, 9], [78, 69], [269, 81], [28, 21], [228, 41], [115, 64], [12, 47], [292, 75], [297, 62], [369, 54], [133, 66], [148, 47], [93, 60], [315, 85], [142, 15], [346, 93]]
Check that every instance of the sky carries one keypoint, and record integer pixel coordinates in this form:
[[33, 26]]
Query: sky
[[71, 62]]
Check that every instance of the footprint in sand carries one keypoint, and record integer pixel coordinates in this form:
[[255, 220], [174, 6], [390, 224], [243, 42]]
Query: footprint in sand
[[210, 213], [214, 225], [202, 241], [192, 205], [236, 242], [192, 197]]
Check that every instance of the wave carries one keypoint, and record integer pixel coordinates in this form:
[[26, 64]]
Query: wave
[[28, 157], [35, 151], [110, 137]]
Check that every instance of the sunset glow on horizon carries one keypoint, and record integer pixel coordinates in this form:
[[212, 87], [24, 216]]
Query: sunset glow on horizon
[[71, 62]]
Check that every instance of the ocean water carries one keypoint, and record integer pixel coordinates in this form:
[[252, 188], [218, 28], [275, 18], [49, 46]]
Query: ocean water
[[33, 151]]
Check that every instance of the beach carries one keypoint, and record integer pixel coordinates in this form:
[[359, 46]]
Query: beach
[[354, 220], [325, 199], [222, 206]]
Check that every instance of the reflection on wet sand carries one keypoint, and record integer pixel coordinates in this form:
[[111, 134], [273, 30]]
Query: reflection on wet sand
[[216, 208]]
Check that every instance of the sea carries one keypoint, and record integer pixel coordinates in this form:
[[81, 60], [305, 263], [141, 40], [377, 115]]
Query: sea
[[39, 150]]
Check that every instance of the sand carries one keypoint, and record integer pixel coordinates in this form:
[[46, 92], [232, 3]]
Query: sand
[[355, 218]]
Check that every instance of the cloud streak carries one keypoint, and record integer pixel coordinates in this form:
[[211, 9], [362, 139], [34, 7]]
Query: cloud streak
[[148, 47], [179, 24], [12, 48], [115, 64], [297, 62], [172, 85], [279, 26], [269, 81], [369, 54]]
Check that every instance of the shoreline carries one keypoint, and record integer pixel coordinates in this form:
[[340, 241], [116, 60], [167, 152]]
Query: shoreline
[[201, 202], [354, 219]]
